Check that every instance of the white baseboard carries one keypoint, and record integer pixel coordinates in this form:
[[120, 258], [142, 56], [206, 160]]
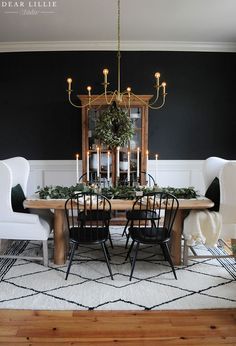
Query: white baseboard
[[176, 173]]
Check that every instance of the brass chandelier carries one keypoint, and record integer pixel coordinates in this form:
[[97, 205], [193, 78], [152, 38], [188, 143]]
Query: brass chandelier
[[119, 96]]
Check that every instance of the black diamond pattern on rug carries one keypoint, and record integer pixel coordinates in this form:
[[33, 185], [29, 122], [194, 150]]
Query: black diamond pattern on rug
[[201, 285]]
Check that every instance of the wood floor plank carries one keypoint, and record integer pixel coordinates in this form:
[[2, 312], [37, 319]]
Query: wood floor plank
[[188, 327]]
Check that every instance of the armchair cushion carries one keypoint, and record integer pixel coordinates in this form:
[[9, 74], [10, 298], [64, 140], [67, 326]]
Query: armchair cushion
[[213, 193], [17, 199]]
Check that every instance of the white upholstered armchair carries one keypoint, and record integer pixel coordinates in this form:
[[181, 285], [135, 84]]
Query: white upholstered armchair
[[212, 227], [15, 224]]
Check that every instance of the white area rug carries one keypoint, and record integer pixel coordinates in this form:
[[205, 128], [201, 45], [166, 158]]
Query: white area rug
[[201, 285]]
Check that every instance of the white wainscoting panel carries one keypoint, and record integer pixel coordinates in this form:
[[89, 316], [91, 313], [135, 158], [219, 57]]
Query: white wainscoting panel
[[176, 173], [52, 172]]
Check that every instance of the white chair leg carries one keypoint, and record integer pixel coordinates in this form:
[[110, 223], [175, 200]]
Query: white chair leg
[[45, 253]]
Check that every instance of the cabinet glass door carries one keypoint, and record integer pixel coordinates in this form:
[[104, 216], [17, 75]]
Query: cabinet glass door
[[100, 161]]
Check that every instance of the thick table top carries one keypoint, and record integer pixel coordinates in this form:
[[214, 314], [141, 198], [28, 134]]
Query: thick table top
[[116, 204]]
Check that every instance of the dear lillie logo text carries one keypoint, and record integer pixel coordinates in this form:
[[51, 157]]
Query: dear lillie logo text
[[28, 7]]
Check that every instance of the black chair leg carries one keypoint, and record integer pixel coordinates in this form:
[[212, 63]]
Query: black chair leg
[[108, 255], [167, 251], [127, 240], [74, 246], [134, 261], [164, 252], [107, 260], [124, 232], [109, 236], [130, 249]]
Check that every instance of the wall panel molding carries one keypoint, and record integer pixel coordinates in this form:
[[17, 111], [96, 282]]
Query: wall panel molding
[[176, 173]]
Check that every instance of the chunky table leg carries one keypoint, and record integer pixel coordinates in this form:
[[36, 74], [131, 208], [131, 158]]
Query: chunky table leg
[[59, 237], [176, 237]]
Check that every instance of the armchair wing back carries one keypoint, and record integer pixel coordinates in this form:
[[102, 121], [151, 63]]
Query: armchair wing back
[[19, 169], [211, 169]]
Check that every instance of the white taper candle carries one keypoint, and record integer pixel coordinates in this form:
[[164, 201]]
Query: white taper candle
[[128, 174], [118, 162], [77, 168], [138, 150], [156, 163], [87, 166], [108, 166], [98, 163], [147, 166]]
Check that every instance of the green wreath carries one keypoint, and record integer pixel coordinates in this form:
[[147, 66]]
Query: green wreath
[[113, 127]]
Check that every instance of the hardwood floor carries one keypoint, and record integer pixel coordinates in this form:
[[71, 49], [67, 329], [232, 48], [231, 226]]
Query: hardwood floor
[[189, 327]]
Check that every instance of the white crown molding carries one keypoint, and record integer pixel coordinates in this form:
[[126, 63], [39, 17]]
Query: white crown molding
[[112, 46]]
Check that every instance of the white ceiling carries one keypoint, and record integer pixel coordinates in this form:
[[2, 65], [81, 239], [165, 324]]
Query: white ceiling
[[207, 25]]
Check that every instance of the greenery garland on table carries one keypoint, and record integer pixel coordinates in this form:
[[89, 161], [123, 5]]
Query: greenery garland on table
[[120, 192], [184, 192], [113, 127]]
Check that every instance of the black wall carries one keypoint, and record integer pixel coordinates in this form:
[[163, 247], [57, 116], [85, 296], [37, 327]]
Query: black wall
[[197, 121]]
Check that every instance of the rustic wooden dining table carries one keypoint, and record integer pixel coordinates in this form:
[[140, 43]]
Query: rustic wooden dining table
[[60, 239]]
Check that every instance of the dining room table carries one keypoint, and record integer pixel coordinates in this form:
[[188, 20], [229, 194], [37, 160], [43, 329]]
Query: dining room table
[[60, 234]]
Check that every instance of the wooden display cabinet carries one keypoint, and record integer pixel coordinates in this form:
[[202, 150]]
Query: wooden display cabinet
[[139, 118]]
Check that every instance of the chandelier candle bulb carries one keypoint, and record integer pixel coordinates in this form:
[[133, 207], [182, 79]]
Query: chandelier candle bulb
[[105, 72], [77, 168], [98, 163], [108, 166], [128, 174], [164, 88], [118, 162], [69, 81], [147, 165], [89, 90], [87, 166], [138, 150], [157, 76]]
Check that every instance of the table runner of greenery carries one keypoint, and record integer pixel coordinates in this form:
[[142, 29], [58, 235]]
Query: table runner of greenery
[[120, 192]]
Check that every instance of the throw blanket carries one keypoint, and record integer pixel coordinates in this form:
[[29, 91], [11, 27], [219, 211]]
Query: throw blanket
[[202, 227]]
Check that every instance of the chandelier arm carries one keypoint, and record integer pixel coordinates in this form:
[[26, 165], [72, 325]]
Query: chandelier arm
[[140, 99], [158, 107], [95, 99], [88, 104], [150, 105], [156, 98], [73, 104], [113, 97]]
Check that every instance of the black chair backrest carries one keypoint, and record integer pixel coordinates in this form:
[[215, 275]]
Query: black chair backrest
[[155, 204], [93, 179], [88, 210], [134, 181], [150, 181]]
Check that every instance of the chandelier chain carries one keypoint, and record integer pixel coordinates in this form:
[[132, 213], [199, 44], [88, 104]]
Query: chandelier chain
[[118, 49]]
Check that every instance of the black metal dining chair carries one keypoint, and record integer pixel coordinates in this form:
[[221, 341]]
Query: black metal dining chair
[[138, 215], [156, 230], [88, 217], [132, 215]]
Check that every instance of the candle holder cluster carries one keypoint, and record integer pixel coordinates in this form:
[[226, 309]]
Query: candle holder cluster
[[126, 172]]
